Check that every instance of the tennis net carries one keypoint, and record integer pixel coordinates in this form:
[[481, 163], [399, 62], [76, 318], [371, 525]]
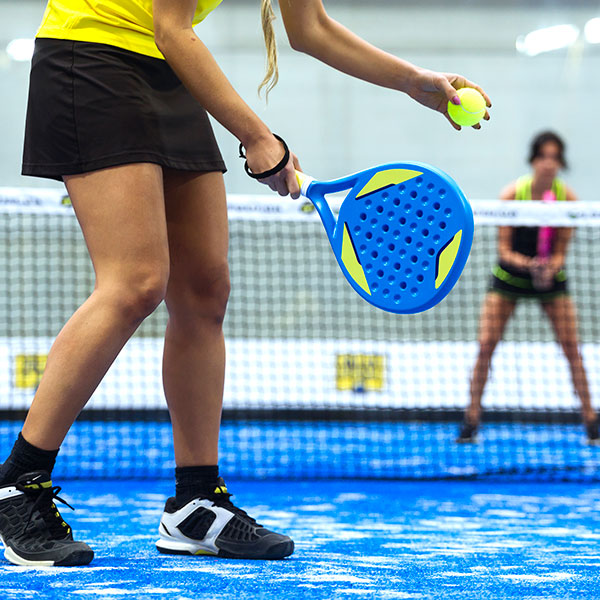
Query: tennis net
[[319, 383]]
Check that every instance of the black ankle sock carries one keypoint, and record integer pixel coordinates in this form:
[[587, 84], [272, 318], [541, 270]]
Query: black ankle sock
[[193, 481], [24, 458]]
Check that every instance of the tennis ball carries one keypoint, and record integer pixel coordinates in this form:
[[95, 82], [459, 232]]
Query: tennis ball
[[471, 108]]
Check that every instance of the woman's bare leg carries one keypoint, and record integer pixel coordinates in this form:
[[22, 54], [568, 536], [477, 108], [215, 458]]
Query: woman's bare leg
[[121, 213], [562, 314], [495, 313], [197, 294]]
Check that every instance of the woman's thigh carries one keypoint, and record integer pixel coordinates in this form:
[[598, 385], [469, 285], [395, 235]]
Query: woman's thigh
[[198, 235], [121, 213]]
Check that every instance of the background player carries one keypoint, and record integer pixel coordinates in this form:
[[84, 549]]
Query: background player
[[522, 274]]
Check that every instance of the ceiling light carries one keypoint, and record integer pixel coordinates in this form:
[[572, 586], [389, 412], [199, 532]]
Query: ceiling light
[[20, 49], [547, 39], [592, 31]]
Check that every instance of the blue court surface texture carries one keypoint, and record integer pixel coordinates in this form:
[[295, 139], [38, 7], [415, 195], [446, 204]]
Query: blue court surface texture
[[354, 539]]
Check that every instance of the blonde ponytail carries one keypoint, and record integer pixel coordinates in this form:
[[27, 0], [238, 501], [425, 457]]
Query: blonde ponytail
[[272, 75]]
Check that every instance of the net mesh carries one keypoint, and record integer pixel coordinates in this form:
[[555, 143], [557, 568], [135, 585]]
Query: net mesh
[[319, 383]]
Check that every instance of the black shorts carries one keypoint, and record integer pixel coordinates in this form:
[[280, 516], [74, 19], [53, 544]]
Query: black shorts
[[520, 285], [93, 106]]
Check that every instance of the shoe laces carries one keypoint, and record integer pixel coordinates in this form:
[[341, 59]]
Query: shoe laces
[[44, 504], [221, 497]]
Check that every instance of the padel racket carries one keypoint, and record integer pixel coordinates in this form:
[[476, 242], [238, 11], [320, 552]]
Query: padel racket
[[402, 235]]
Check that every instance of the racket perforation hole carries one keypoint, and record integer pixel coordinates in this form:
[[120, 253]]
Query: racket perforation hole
[[413, 227], [379, 241], [419, 180], [374, 254], [385, 260], [408, 239], [397, 266], [425, 265], [443, 225], [402, 220], [414, 260], [430, 187], [425, 233], [375, 286], [424, 200], [407, 207], [396, 201], [402, 253], [448, 212], [391, 214], [431, 252], [397, 298], [374, 222], [419, 245], [403, 285], [396, 233], [391, 247], [385, 195], [413, 194], [379, 209], [380, 273], [386, 228], [442, 193], [357, 229], [362, 248], [402, 188], [414, 291], [436, 206], [436, 239], [363, 217], [386, 293], [408, 272], [368, 267], [420, 278], [391, 279], [369, 235]]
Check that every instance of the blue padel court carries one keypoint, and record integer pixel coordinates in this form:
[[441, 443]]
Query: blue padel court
[[324, 450], [354, 539]]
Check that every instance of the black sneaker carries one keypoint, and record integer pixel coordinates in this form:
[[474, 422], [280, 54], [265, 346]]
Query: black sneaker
[[31, 528], [593, 435], [211, 524], [468, 433]]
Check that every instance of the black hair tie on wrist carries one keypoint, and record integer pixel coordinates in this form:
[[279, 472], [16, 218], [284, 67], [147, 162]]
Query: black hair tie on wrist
[[278, 167]]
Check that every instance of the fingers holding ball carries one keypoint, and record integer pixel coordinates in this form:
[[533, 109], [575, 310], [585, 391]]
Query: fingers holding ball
[[471, 108]]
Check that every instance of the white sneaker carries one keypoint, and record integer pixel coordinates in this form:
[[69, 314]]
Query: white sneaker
[[211, 524]]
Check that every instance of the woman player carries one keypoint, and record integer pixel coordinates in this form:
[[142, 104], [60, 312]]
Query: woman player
[[119, 92], [524, 272]]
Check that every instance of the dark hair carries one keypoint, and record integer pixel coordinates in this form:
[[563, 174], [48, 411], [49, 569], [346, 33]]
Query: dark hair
[[543, 138]]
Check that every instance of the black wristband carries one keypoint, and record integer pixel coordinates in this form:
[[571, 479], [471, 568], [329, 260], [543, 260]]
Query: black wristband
[[278, 167]]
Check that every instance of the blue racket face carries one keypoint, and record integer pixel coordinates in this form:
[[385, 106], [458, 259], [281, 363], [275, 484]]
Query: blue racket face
[[403, 235]]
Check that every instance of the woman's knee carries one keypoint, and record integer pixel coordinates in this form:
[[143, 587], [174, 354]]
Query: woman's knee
[[487, 345], [571, 350], [138, 295], [203, 295]]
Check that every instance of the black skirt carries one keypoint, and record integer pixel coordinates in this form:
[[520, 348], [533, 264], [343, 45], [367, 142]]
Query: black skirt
[[517, 285], [93, 106]]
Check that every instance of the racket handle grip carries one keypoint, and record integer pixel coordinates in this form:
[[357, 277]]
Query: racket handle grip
[[304, 182]]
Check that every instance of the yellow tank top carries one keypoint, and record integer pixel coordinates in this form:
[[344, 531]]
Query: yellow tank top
[[523, 188], [126, 24]]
